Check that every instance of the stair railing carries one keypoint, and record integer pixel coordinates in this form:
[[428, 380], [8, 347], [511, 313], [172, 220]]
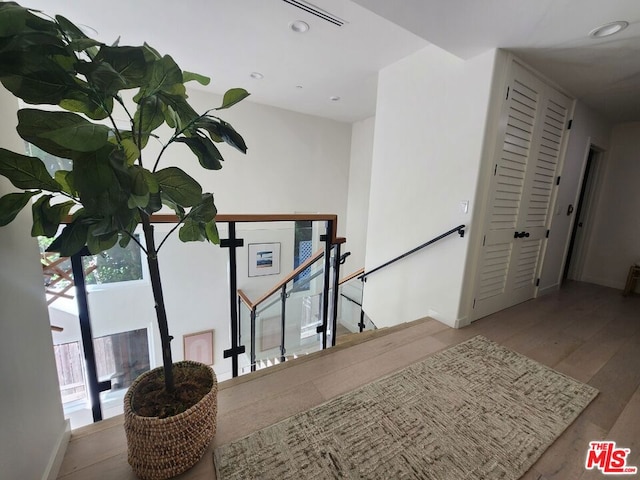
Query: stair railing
[[261, 304], [459, 230]]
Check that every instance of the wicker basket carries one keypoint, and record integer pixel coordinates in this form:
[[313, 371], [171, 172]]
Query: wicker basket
[[161, 448]]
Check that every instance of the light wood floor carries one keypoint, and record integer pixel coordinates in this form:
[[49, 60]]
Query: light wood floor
[[589, 332]]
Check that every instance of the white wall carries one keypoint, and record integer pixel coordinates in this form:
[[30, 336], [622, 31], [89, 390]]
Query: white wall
[[295, 163], [614, 242], [430, 126], [32, 428], [358, 200], [587, 129]]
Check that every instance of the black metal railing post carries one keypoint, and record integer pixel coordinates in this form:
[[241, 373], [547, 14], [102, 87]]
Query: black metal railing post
[[283, 320], [95, 386], [336, 284], [327, 279], [361, 324], [232, 243], [252, 358]]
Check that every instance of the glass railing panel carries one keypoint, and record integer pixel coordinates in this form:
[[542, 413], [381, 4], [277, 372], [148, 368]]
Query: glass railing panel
[[271, 252], [304, 312], [349, 306], [244, 337]]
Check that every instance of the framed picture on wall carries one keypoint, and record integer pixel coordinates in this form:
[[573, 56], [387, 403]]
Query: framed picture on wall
[[199, 347], [264, 259]]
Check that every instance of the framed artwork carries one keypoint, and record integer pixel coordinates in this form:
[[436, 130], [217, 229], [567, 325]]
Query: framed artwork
[[264, 259], [199, 347]]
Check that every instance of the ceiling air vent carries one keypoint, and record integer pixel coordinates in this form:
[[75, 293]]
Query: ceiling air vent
[[318, 12]]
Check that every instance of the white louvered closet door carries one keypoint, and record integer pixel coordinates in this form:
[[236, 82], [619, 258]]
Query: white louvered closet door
[[532, 129]]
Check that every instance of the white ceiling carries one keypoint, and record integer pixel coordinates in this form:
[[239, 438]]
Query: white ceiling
[[229, 39]]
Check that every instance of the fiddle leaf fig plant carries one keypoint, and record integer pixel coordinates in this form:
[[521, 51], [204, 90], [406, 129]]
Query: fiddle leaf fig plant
[[112, 186]]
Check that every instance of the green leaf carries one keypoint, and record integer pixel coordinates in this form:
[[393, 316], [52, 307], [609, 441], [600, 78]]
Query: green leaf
[[138, 201], [190, 76], [93, 173], [26, 172], [70, 29], [102, 77], [101, 243], [15, 19], [190, 232], [162, 75], [221, 131], [63, 132], [71, 240], [83, 102], [152, 183], [139, 188], [83, 44], [233, 96], [129, 62], [149, 116], [231, 137], [212, 232], [65, 179], [155, 203], [181, 109], [36, 78], [205, 211], [178, 186], [47, 217], [178, 209], [131, 151], [208, 154], [11, 204]]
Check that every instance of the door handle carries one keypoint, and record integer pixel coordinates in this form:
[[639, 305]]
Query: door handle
[[520, 234], [526, 234], [570, 210]]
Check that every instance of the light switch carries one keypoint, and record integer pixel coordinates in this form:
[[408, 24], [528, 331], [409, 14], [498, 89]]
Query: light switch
[[464, 206]]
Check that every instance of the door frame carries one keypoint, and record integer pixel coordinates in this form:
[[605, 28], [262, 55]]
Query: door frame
[[481, 210], [589, 206]]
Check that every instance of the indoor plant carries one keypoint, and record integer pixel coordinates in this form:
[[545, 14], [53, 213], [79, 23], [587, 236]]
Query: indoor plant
[[109, 190]]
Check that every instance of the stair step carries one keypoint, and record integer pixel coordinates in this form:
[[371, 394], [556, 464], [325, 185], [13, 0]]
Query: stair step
[[353, 340]]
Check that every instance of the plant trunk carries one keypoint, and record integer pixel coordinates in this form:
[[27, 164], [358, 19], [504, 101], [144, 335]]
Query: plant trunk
[[161, 313]]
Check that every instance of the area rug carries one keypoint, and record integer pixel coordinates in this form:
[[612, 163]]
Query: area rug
[[474, 411]]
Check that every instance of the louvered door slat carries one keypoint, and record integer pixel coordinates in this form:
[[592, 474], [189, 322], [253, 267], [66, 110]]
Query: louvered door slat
[[532, 139]]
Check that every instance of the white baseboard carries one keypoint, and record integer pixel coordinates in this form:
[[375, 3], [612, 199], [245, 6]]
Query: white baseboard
[[550, 289], [462, 322], [55, 462], [617, 284]]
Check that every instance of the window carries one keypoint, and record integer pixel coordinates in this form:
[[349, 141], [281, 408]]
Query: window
[[113, 266], [302, 250]]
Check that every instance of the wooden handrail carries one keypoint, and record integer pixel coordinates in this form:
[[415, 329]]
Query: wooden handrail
[[245, 299], [353, 275], [253, 218], [302, 267]]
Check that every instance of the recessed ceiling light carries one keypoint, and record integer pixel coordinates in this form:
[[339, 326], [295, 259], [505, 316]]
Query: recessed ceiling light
[[608, 29], [335, 98], [299, 26], [256, 75]]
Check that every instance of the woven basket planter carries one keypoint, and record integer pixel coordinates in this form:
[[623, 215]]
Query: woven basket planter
[[161, 448]]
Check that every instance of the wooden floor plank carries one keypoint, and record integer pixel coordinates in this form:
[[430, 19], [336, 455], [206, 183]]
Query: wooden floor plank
[[586, 331]]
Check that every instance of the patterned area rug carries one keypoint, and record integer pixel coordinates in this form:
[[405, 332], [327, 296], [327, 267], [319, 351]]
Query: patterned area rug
[[474, 411]]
